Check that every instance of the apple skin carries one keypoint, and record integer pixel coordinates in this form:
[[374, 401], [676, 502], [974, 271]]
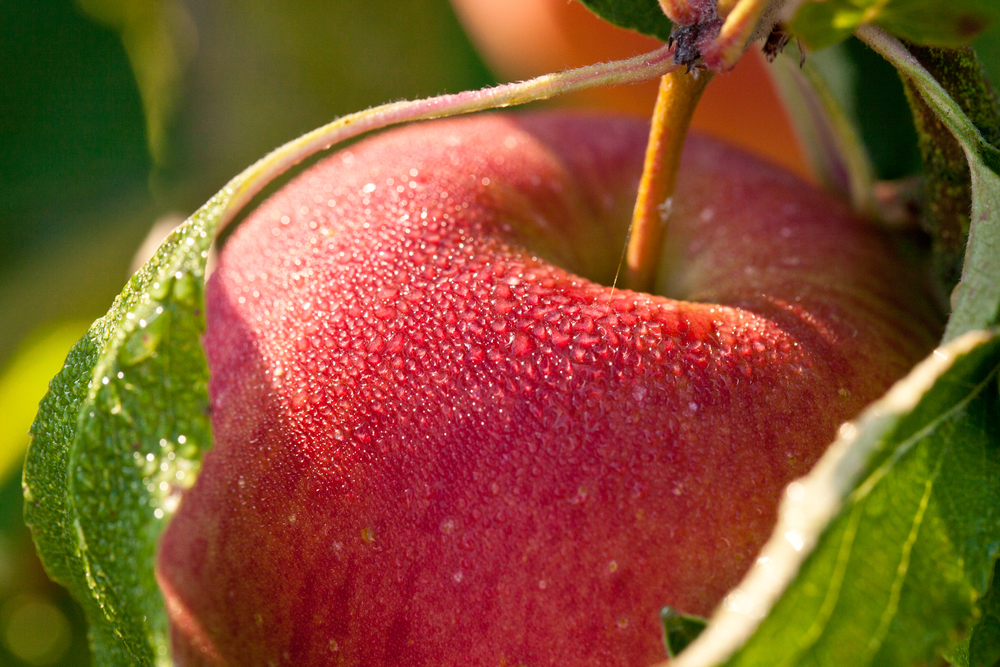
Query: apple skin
[[436, 443]]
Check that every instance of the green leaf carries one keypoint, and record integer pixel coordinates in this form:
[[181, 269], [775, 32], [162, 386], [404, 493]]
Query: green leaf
[[879, 103], [881, 552], [645, 16], [981, 648], [679, 630], [117, 438], [947, 187], [984, 642], [976, 300], [870, 95], [821, 23], [957, 654]]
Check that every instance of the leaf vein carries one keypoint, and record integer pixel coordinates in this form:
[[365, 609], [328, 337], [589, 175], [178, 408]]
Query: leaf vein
[[895, 591]]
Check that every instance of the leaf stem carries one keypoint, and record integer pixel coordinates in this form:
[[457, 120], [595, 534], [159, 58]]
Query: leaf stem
[[675, 104], [242, 188]]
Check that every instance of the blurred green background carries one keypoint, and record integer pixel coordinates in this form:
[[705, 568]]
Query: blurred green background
[[115, 114]]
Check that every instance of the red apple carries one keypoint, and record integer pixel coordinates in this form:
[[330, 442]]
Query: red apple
[[442, 439]]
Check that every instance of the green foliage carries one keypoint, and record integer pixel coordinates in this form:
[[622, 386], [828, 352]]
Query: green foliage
[[843, 95], [825, 124], [983, 646], [977, 297], [679, 630], [976, 300], [879, 104], [947, 197], [932, 22], [987, 45], [643, 16], [118, 437]]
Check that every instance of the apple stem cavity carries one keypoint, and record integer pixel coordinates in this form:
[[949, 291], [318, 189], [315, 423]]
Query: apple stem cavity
[[678, 96]]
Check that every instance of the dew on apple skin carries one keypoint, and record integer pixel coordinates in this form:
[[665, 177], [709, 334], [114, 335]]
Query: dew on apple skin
[[450, 394]]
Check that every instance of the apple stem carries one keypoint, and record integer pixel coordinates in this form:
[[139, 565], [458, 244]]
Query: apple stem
[[679, 94]]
